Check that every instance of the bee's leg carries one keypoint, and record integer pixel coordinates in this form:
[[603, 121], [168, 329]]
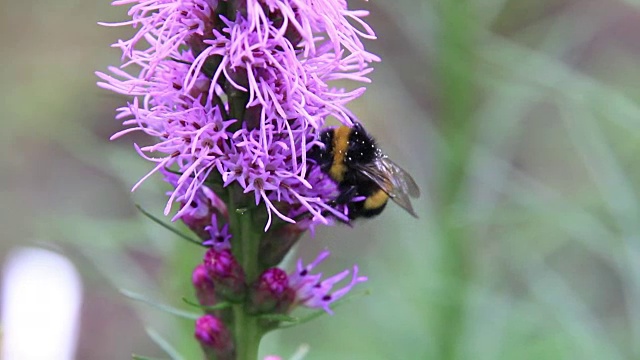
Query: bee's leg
[[347, 194]]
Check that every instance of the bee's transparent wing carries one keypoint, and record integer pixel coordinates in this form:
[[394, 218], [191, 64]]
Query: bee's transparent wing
[[393, 180]]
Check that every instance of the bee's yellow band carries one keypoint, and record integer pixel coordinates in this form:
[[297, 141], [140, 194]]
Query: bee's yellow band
[[376, 200], [340, 146]]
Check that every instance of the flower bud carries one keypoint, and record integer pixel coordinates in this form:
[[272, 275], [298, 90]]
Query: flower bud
[[226, 273], [215, 338], [205, 290], [271, 293]]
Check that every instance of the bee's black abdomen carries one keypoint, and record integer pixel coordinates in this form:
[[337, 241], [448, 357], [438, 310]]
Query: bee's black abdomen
[[373, 203], [358, 209]]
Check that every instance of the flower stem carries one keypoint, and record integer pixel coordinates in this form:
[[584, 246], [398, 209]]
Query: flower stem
[[456, 76], [250, 239], [247, 330], [247, 334]]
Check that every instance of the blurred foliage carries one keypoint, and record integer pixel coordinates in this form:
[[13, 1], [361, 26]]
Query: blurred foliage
[[519, 118]]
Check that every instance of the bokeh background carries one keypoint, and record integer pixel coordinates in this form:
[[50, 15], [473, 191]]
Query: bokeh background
[[520, 120]]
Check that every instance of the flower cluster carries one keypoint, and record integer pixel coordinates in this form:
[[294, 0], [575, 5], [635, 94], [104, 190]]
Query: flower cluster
[[274, 291], [236, 91]]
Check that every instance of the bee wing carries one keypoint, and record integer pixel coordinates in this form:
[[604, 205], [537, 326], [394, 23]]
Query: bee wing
[[393, 180]]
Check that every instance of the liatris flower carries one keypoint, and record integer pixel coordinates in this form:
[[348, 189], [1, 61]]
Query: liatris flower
[[201, 210], [219, 237], [192, 54], [276, 292], [235, 93], [214, 338], [313, 292]]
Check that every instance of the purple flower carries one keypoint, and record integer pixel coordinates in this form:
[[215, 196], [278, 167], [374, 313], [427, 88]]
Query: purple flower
[[197, 210], [242, 98], [312, 291], [219, 237]]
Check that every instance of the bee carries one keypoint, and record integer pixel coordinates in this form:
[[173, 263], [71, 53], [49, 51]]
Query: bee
[[366, 177]]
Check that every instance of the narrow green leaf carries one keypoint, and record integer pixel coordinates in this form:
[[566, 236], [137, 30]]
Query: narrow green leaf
[[164, 344], [303, 319], [317, 314], [219, 306], [170, 309], [140, 357], [278, 317], [163, 224]]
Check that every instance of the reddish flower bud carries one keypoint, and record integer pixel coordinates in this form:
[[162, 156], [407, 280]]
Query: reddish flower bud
[[215, 338], [271, 292], [205, 290], [226, 273]]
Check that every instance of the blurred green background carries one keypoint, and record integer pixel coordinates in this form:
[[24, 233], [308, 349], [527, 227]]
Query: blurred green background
[[520, 120]]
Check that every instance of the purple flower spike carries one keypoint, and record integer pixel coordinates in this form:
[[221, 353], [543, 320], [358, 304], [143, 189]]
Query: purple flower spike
[[219, 238], [227, 275], [214, 337], [205, 289], [241, 99], [313, 292]]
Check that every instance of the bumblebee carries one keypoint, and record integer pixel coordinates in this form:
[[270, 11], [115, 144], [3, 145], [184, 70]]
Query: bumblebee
[[366, 177]]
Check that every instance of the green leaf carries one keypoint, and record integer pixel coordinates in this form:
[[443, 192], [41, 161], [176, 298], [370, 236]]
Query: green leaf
[[278, 317], [318, 313], [219, 306], [140, 357], [170, 309], [164, 344], [163, 224]]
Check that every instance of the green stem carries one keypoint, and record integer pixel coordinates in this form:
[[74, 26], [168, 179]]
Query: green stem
[[251, 243], [457, 125], [247, 330], [247, 334]]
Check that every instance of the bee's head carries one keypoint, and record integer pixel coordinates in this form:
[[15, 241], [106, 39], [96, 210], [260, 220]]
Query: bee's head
[[322, 153]]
